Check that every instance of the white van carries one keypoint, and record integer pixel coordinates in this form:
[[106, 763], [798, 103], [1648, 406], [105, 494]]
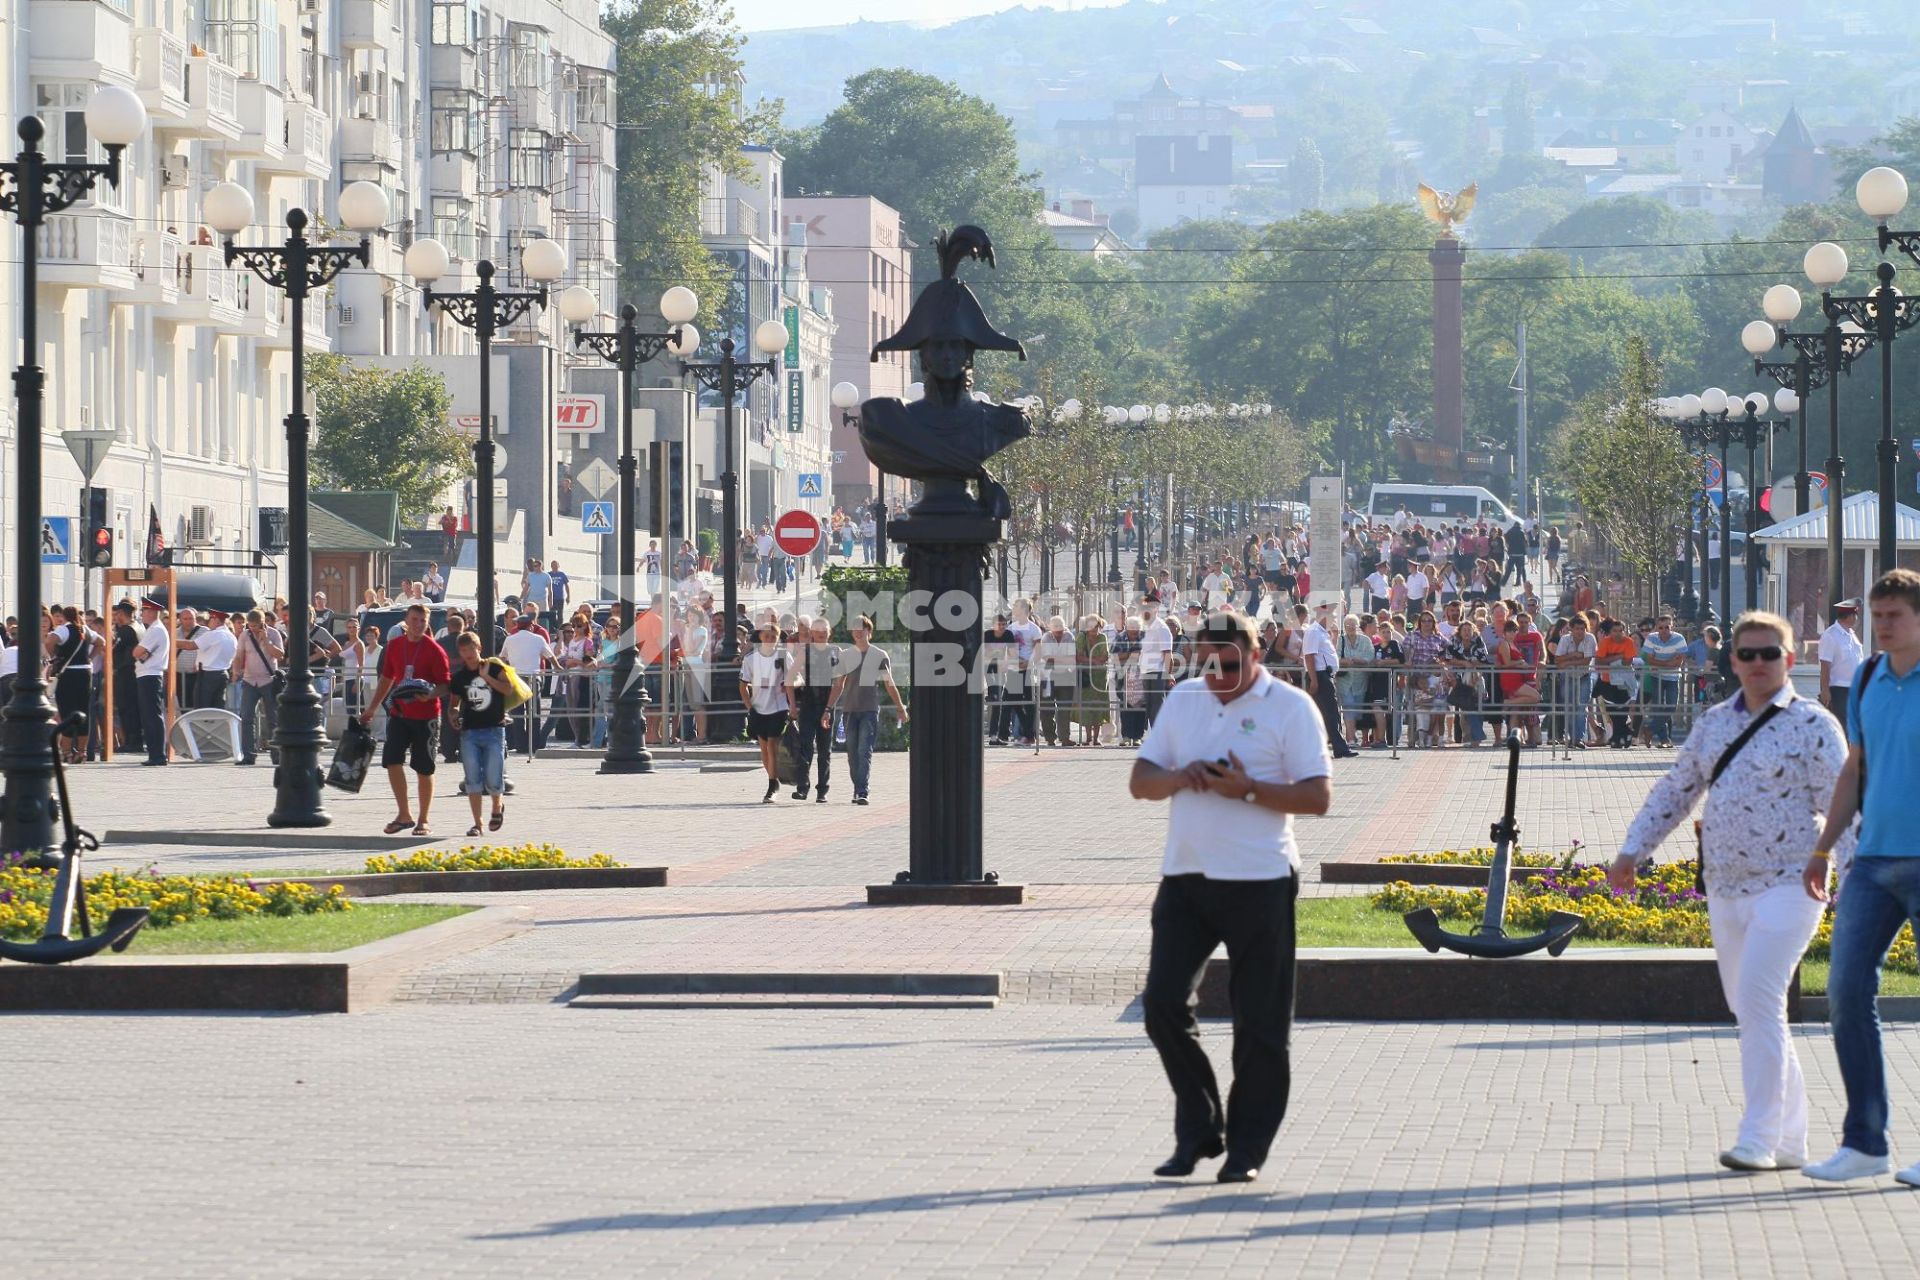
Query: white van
[[1437, 504]]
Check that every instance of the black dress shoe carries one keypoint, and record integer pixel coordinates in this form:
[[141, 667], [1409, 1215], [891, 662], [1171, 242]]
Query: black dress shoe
[[1237, 1170], [1184, 1157]]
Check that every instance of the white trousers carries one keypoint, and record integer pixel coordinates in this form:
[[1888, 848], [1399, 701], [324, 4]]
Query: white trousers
[[1758, 940]]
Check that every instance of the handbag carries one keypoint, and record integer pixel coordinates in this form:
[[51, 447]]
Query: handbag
[[351, 758], [518, 691], [1720, 767]]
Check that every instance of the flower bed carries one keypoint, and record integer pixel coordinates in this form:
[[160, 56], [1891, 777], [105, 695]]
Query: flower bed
[[1479, 856], [1664, 909], [170, 900], [526, 857]]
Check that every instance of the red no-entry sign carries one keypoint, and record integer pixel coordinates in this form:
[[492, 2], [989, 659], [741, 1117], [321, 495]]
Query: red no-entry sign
[[796, 533]]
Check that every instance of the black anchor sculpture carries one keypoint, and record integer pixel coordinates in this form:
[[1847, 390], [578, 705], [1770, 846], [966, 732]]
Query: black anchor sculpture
[[1489, 939], [70, 890]]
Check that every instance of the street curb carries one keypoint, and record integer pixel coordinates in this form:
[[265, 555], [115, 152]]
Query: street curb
[[1459, 874], [387, 883], [269, 839], [325, 982], [1612, 984], [787, 984]]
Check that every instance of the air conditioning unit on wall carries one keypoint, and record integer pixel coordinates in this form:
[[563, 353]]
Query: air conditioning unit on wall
[[200, 526]]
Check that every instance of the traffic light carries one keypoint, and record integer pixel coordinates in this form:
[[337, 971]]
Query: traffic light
[[100, 553], [648, 489]]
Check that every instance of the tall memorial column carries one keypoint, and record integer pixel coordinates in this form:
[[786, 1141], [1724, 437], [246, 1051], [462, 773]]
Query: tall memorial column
[[943, 440]]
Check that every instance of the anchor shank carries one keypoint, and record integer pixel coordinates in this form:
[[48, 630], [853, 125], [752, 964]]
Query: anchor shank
[[1505, 833]]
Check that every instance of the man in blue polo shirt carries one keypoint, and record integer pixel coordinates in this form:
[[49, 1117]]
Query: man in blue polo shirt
[[1881, 889]]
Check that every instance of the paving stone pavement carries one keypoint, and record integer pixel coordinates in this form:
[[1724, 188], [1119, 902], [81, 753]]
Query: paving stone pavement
[[757, 887], [478, 1141]]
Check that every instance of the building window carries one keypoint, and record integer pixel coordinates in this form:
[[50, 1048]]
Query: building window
[[453, 22], [243, 34], [452, 120], [596, 99], [453, 226], [526, 158], [532, 58]]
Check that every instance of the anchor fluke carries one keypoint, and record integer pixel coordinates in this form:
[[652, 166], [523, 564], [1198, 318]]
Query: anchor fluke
[[1490, 940]]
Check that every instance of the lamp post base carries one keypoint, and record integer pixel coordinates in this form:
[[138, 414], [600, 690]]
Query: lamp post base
[[967, 893], [298, 778], [28, 810], [641, 763]]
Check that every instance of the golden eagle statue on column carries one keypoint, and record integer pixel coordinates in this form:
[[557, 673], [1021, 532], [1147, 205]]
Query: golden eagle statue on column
[[1448, 208]]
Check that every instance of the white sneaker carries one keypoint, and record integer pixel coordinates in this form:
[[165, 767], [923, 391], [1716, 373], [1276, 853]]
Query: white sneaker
[[1909, 1175], [1750, 1157], [1847, 1164], [1781, 1160]]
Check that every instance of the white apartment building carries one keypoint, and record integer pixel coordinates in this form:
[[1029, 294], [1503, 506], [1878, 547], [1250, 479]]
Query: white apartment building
[[859, 246], [486, 121]]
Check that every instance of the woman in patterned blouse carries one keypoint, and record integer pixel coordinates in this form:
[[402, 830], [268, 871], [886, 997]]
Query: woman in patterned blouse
[[1760, 819]]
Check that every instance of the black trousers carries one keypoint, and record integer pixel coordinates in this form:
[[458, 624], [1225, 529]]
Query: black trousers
[[209, 689], [1154, 687], [1255, 918], [151, 696], [1617, 700], [816, 742], [1329, 703]]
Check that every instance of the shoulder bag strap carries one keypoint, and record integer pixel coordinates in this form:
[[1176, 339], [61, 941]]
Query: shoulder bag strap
[[1720, 766], [1855, 692]]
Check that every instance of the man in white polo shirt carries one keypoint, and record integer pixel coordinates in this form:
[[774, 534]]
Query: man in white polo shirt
[[1840, 656], [1238, 752], [1156, 643]]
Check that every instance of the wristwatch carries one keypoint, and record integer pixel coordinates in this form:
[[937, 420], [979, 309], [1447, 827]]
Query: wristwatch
[[1252, 796]]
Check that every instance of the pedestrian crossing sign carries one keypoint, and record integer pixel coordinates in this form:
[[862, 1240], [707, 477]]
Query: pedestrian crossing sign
[[56, 540], [810, 486], [596, 517]]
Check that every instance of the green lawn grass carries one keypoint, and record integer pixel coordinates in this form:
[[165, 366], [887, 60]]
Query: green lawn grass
[[326, 931], [1353, 922]]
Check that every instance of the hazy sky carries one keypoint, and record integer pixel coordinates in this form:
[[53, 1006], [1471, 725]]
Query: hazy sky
[[772, 15]]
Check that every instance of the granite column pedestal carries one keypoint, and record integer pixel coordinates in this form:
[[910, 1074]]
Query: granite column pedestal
[[946, 560]]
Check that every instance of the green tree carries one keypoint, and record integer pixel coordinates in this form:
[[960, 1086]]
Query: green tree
[[1307, 175], [1516, 135], [1633, 236], [384, 429], [1627, 467], [1328, 318], [940, 156], [680, 112]]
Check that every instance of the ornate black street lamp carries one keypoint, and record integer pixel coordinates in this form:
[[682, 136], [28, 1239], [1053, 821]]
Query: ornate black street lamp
[[1754, 431], [847, 398], [628, 349], [1882, 192], [1702, 421], [485, 310], [298, 267], [1797, 378], [31, 187], [730, 377]]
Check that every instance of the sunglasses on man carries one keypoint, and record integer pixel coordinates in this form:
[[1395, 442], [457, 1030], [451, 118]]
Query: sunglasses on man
[[1765, 653]]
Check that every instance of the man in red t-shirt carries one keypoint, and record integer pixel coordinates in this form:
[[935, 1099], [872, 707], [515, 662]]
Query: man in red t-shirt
[[412, 722]]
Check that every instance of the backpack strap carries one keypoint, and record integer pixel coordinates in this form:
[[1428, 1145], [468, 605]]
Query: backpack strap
[[1855, 692]]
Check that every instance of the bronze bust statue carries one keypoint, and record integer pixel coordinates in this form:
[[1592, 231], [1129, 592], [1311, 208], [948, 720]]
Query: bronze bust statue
[[944, 439]]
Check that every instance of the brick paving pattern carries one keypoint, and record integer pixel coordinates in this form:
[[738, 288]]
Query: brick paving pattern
[[521, 1140]]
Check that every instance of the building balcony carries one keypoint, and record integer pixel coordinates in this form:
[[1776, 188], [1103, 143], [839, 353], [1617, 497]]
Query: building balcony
[[158, 260], [725, 219], [306, 143], [81, 39], [368, 141], [86, 249], [455, 173], [209, 292], [454, 66], [260, 308], [263, 125], [160, 77], [365, 24], [213, 98]]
